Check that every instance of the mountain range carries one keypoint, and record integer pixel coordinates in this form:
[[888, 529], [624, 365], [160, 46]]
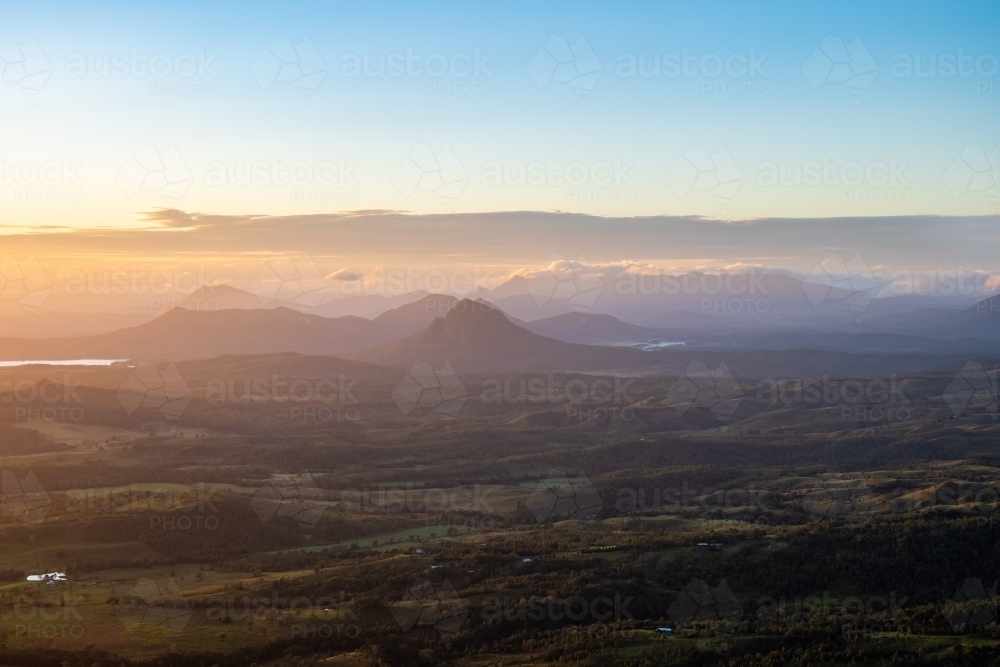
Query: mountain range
[[696, 301], [477, 337]]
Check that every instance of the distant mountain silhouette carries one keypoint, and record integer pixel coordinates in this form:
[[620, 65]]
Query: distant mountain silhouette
[[981, 320], [194, 334], [48, 323], [412, 317], [478, 339], [475, 337], [221, 297], [368, 306], [197, 334]]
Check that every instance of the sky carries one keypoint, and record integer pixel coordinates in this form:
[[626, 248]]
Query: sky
[[727, 111]]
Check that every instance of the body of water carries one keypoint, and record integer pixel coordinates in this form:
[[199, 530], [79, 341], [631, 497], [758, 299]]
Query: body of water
[[657, 344], [61, 362]]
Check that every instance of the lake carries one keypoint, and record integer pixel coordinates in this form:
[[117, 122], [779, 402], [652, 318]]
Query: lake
[[61, 362]]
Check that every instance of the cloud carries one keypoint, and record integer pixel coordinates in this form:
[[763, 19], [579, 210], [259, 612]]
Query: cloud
[[344, 274], [176, 219], [501, 242]]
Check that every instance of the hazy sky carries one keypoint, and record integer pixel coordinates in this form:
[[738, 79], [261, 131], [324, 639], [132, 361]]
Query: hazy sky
[[612, 109], [197, 143]]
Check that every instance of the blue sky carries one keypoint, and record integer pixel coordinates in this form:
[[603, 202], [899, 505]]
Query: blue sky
[[695, 144]]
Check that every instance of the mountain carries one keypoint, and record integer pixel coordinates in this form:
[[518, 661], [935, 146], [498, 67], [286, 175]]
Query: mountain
[[412, 317], [197, 334], [972, 325], [223, 297], [475, 337], [525, 307], [368, 306], [49, 323], [980, 321], [752, 299]]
